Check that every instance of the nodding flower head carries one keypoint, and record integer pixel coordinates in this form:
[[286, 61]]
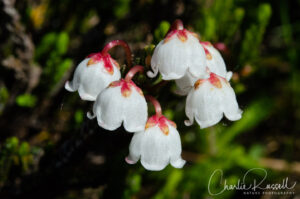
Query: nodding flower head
[[121, 101], [214, 64], [158, 144], [96, 72], [177, 54], [209, 100]]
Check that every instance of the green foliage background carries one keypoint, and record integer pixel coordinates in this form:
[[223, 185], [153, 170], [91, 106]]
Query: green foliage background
[[49, 149]]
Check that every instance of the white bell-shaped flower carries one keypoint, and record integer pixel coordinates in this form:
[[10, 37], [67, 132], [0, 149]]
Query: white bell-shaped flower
[[209, 100], [94, 74], [97, 71], [214, 63], [158, 144], [180, 52], [121, 101]]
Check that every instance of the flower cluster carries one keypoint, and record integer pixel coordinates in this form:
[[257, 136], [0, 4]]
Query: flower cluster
[[199, 72]]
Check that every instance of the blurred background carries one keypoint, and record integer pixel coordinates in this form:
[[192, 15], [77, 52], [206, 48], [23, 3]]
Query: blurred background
[[49, 149]]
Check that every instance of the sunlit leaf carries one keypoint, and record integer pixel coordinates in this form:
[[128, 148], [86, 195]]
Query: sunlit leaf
[[26, 100]]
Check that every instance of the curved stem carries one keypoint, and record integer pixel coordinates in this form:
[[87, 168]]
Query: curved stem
[[114, 43], [155, 104], [177, 25], [133, 71]]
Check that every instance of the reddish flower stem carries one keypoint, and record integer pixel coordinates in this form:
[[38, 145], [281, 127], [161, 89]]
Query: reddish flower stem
[[177, 25], [133, 71], [114, 43], [155, 104]]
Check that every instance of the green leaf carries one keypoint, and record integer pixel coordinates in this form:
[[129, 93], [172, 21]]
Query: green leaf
[[62, 43], [4, 95], [256, 151], [210, 28], [78, 116], [233, 27], [25, 155], [24, 149], [254, 35], [161, 31], [64, 66], [172, 182], [12, 143], [26, 100], [135, 183], [149, 49], [122, 8], [47, 43], [264, 13], [169, 114]]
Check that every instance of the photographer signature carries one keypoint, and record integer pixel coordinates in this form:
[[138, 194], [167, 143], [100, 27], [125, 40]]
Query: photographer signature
[[241, 185]]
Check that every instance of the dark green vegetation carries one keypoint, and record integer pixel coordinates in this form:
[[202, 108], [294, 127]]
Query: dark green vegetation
[[49, 149]]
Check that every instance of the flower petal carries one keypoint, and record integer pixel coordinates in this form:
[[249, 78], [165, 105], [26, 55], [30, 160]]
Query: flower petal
[[204, 104], [175, 148], [155, 149], [178, 162], [135, 111], [84, 95], [135, 148], [112, 107], [230, 105], [216, 63], [185, 84], [174, 58], [73, 85], [109, 108], [69, 87], [90, 81], [197, 59], [228, 75], [209, 100], [189, 108]]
